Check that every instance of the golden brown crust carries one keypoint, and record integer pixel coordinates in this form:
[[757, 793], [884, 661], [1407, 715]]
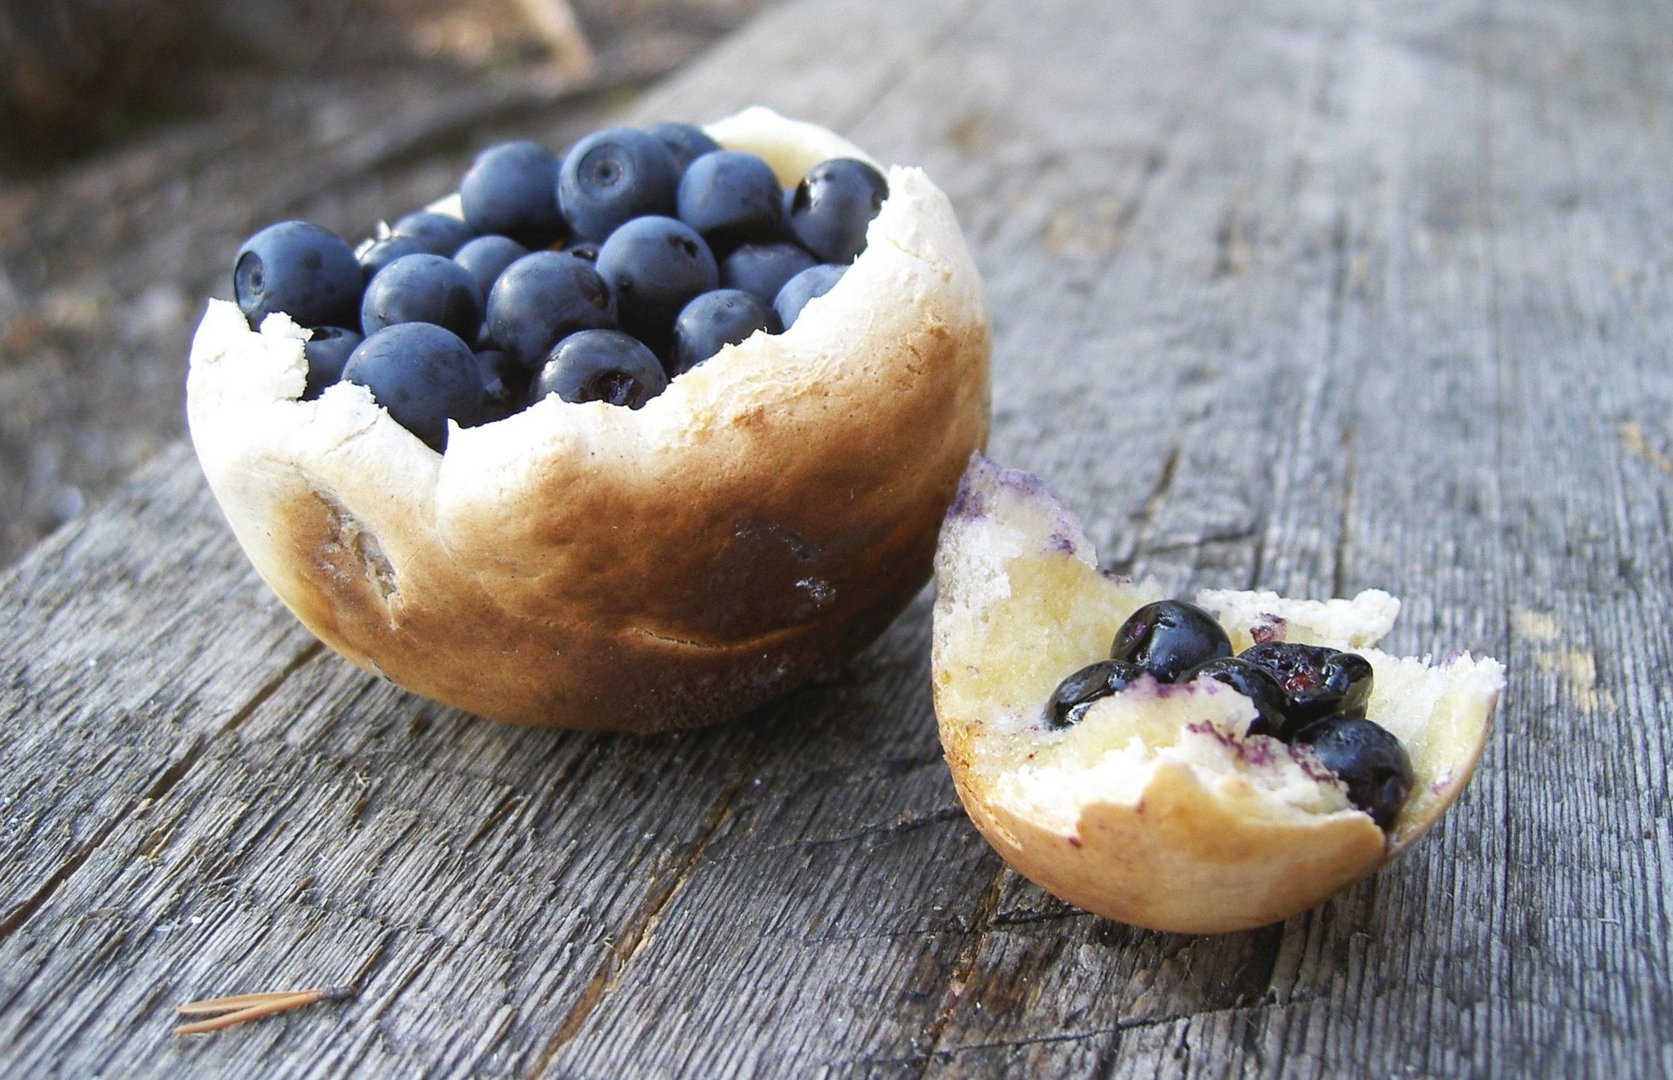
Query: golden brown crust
[[594, 567], [1223, 871]]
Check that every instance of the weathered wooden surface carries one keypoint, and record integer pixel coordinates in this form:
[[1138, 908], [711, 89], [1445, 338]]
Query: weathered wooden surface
[[1311, 296]]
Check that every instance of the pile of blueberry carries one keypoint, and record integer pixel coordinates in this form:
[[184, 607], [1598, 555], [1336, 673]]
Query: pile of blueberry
[[597, 276], [1308, 695]]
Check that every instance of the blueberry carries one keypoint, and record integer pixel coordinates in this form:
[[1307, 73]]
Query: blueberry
[[612, 176], [1316, 679], [1170, 637], [542, 298], [601, 365], [1252, 682], [713, 320], [512, 189], [808, 285], [1076, 694], [654, 266], [685, 142], [505, 384], [441, 234], [327, 351], [763, 269], [730, 197], [424, 375], [297, 267], [423, 288], [1369, 761], [832, 206], [486, 257], [380, 254]]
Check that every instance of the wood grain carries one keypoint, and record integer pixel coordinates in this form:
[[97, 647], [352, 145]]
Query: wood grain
[[1309, 296]]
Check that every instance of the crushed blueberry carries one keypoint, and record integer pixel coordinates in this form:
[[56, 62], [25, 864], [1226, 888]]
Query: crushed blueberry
[[639, 216], [1316, 680]]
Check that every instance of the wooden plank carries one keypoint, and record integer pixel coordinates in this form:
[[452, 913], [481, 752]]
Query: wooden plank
[[1305, 296]]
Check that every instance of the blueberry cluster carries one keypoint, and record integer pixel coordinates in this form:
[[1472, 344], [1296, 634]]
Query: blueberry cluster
[[1308, 695], [596, 276]]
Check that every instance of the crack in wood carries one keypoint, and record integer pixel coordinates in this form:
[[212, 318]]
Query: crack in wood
[[165, 781], [270, 687], [1344, 527], [637, 930], [1149, 511], [981, 922], [903, 824]]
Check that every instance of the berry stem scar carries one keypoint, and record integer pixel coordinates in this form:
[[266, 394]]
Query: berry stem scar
[[240, 1008]]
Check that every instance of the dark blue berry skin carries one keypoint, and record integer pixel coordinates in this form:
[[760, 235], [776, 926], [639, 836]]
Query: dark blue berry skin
[[713, 320], [731, 197], [585, 250], [326, 352], [1076, 694], [601, 365], [423, 375], [486, 257], [1367, 758], [505, 384], [612, 176], [832, 206], [1169, 638], [542, 298], [654, 266], [386, 251], [299, 268], [762, 269], [1252, 682], [441, 234], [685, 142], [811, 283], [1316, 679], [512, 190], [423, 288]]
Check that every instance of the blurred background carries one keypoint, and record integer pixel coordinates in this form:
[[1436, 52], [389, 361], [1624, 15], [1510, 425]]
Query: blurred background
[[142, 140]]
